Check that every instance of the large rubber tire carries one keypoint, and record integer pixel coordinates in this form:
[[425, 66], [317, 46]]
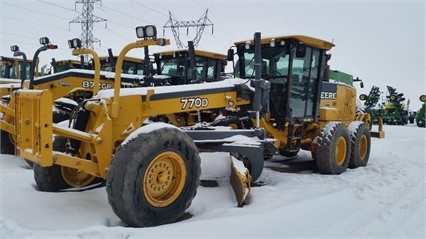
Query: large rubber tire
[[56, 177], [360, 144], [7, 147], [139, 191], [333, 149]]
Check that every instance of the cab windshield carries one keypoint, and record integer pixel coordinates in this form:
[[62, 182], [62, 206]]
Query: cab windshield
[[11, 68]]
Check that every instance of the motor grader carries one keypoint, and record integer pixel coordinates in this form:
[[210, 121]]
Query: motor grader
[[187, 66], [152, 171], [68, 88]]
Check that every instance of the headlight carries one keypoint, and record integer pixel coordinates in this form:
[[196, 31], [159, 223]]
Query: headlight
[[44, 41], [150, 31], [272, 43], [140, 33], [247, 45], [74, 43], [14, 48]]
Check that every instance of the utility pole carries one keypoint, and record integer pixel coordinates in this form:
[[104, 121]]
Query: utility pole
[[86, 18], [200, 24]]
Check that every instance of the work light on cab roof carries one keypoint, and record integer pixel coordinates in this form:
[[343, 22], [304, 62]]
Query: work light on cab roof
[[46, 42], [16, 51], [14, 48], [146, 32], [74, 43]]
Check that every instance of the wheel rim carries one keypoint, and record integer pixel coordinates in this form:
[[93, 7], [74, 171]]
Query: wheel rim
[[363, 147], [76, 178], [164, 179], [340, 153]]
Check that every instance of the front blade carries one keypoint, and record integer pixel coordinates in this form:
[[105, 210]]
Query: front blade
[[240, 181]]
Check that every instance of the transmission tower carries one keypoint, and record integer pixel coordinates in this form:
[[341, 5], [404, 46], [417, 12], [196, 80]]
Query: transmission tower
[[200, 24], [87, 19]]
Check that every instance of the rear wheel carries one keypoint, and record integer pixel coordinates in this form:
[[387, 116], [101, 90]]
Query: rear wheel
[[56, 177], [360, 144], [333, 150], [154, 177]]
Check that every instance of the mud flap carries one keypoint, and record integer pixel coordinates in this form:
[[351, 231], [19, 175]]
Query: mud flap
[[240, 181]]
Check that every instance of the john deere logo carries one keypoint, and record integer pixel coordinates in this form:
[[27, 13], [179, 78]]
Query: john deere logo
[[328, 91]]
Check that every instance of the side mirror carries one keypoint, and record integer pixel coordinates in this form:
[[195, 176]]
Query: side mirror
[[230, 55], [301, 50]]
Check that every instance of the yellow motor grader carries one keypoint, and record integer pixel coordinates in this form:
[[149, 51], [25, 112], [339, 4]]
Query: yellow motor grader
[[152, 171], [69, 85]]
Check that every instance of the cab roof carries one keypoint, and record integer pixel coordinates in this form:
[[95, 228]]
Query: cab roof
[[310, 41], [5, 58], [197, 53], [126, 58]]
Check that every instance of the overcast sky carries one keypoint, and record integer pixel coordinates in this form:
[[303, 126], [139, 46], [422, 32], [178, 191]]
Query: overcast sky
[[382, 42]]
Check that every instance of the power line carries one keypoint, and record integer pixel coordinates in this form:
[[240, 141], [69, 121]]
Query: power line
[[126, 14], [11, 34], [73, 10], [115, 16], [35, 23], [150, 8], [33, 10], [200, 24], [224, 26]]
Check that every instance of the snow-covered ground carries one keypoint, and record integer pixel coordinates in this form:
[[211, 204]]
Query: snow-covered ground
[[385, 199]]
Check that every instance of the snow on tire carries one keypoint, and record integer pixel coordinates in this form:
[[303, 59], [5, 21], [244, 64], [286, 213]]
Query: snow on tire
[[153, 177], [360, 144], [332, 151]]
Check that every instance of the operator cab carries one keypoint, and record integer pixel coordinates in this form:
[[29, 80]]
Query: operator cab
[[10, 67], [176, 66], [294, 65]]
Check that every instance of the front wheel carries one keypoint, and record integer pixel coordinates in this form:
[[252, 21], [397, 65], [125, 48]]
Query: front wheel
[[153, 178], [57, 177]]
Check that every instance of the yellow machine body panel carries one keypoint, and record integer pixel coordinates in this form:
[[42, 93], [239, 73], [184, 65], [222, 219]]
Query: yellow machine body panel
[[71, 81], [338, 102], [137, 105], [34, 131]]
